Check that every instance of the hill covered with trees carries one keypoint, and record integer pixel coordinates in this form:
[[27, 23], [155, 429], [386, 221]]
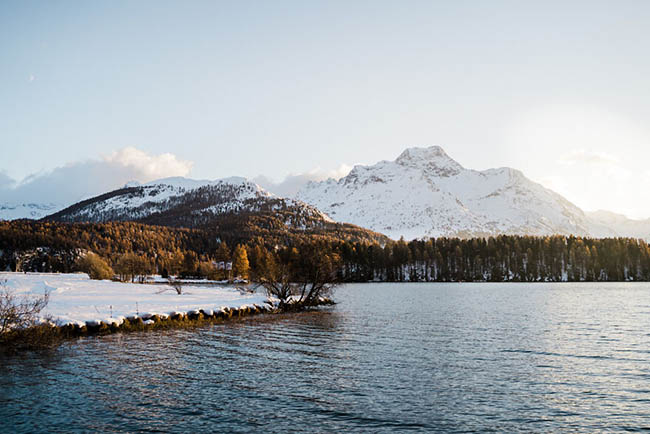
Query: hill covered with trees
[[52, 246], [357, 254]]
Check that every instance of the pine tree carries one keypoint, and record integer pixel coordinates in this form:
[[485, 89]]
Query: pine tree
[[223, 252], [190, 264]]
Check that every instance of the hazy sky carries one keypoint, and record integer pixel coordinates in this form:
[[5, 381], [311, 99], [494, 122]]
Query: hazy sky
[[559, 90]]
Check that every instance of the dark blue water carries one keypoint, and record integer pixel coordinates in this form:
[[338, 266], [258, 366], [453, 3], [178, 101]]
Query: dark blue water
[[389, 357]]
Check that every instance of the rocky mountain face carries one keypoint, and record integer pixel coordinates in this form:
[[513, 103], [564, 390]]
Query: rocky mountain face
[[425, 193]]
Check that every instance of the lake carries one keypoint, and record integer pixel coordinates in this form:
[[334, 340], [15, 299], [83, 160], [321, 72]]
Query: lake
[[389, 357]]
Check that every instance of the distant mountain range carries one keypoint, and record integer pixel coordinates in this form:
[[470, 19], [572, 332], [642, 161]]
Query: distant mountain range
[[609, 224], [13, 211], [423, 193]]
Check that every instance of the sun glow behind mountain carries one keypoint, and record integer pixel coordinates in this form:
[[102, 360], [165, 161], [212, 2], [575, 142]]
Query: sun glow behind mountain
[[593, 156]]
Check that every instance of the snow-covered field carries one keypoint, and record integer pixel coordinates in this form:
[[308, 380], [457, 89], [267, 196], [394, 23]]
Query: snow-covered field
[[75, 299]]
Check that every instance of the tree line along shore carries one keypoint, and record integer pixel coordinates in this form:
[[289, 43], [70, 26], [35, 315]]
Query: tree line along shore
[[132, 251]]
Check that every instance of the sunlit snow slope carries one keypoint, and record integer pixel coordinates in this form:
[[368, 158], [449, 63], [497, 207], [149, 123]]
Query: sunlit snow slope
[[182, 201], [13, 211], [425, 193]]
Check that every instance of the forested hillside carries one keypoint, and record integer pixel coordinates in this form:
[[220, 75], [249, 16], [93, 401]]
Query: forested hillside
[[52, 246], [361, 255]]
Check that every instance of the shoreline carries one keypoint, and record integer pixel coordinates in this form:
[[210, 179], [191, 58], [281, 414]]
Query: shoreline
[[179, 320], [78, 306], [49, 335]]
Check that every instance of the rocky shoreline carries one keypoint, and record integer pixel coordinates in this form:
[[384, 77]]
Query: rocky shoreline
[[155, 321]]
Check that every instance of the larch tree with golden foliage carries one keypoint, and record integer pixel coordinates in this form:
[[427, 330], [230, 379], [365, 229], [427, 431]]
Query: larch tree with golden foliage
[[240, 263]]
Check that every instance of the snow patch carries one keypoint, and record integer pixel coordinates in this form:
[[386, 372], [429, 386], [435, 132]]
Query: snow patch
[[92, 302]]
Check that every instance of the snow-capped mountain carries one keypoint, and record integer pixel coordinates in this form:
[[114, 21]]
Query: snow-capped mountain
[[186, 202], [609, 224], [13, 211], [425, 193]]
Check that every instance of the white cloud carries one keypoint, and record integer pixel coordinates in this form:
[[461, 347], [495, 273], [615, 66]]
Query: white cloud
[[594, 156], [79, 180], [293, 183], [149, 167], [582, 156], [596, 181]]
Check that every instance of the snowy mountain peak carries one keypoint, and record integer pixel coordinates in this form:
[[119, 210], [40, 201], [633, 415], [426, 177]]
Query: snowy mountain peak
[[433, 160], [425, 193]]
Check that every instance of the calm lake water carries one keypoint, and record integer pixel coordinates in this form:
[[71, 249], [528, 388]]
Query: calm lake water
[[389, 357]]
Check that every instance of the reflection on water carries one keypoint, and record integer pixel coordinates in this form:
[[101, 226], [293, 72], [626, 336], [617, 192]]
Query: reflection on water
[[422, 357]]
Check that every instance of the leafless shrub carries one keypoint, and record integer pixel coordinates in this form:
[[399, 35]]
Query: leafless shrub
[[176, 284], [21, 325], [19, 312], [247, 289]]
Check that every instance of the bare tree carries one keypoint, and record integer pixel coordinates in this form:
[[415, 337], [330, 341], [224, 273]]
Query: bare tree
[[21, 325], [300, 280], [17, 313], [176, 284]]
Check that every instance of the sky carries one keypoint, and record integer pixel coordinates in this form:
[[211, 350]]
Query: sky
[[94, 94]]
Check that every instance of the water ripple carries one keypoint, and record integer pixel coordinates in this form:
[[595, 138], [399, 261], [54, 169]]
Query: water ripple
[[388, 357]]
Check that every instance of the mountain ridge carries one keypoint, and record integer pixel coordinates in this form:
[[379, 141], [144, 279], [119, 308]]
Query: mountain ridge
[[199, 197], [422, 193], [425, 193], [232, 207]]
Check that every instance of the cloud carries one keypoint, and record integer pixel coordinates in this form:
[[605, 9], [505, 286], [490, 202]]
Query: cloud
[[80, 180], [149, 167], [592, 158], [599, 181], [293, 183]]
